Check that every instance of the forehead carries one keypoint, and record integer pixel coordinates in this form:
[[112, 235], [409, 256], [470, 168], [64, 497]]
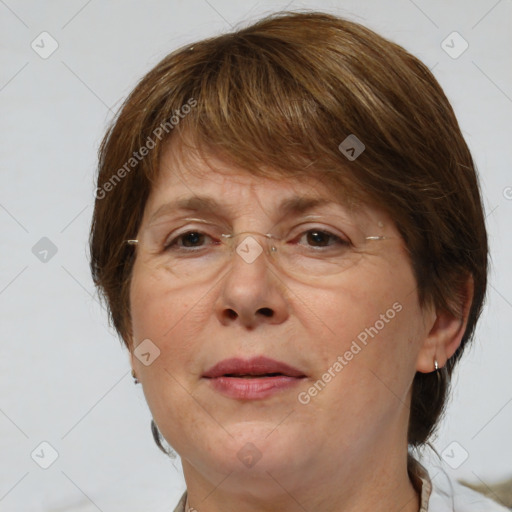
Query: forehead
[[182, 165], [201, 181], [183, 168]]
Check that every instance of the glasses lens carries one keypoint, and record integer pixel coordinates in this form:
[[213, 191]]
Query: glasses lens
[[189, 255]]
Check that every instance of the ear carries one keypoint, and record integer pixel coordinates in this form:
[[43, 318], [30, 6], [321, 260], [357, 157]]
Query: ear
[[446, 332]]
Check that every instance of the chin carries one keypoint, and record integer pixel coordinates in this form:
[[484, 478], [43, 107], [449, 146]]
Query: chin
[[250, 471], [259, 448]]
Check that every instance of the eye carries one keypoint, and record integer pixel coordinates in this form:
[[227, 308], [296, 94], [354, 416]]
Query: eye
[[321, 238], [189, 239]]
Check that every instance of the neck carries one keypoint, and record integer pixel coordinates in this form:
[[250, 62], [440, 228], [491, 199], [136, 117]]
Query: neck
[[385, 488]]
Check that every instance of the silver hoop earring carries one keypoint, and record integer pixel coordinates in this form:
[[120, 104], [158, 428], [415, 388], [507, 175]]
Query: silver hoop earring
[[436, 366]]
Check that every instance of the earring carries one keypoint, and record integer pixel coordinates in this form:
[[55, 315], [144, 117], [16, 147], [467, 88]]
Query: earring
[[436, 366], [135, 380]]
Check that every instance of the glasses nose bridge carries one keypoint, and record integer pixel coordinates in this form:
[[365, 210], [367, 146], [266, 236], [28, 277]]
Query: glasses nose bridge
[[258, 233], [248, 247]]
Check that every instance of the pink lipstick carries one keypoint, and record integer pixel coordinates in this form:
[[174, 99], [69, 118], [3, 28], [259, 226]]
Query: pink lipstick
[[252, 379]]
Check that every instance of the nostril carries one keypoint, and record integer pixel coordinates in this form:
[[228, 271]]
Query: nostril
[[266, 311], [231, 314]]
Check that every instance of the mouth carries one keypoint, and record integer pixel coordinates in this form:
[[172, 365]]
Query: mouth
[[252, 379], [256, 376], [257, 367]]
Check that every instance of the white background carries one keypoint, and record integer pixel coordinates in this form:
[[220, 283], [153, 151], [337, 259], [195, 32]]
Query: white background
[[64, 374]]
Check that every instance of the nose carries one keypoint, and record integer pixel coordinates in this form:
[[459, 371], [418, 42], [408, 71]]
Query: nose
[[252, 292]]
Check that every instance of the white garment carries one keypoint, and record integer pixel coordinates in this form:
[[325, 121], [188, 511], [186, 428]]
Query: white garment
[[440, 493]]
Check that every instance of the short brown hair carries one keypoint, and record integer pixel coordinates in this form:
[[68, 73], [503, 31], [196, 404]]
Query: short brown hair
[[278, 97]]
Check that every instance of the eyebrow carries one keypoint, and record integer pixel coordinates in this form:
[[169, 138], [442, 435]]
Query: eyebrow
[[292, 205]]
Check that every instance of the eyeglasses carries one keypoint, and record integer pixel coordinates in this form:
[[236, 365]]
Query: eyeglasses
[[314, 255]]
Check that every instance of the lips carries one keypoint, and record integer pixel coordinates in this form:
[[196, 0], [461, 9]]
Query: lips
[[253, 379], [252, 368]]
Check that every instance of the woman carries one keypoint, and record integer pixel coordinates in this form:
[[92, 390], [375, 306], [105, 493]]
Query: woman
[[289, 236]]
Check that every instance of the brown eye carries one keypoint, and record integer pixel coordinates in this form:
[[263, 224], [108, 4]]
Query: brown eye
[[192, 239], [321, 238], [318, 238]]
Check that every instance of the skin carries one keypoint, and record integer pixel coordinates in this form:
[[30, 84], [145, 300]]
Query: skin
[[346, 449]]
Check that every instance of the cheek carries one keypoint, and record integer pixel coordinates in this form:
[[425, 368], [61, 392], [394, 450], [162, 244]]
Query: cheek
[[178, 320], [161, 317], [373, 321], [367, 354], [156, 309], [169, 319]]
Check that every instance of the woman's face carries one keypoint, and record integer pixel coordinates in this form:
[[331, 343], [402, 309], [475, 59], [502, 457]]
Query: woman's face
[[352, 336]]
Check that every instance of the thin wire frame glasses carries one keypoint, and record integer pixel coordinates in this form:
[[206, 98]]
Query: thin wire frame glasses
[[312, 256]]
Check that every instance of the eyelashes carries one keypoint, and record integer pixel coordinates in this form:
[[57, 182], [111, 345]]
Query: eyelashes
[[194, 240]]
